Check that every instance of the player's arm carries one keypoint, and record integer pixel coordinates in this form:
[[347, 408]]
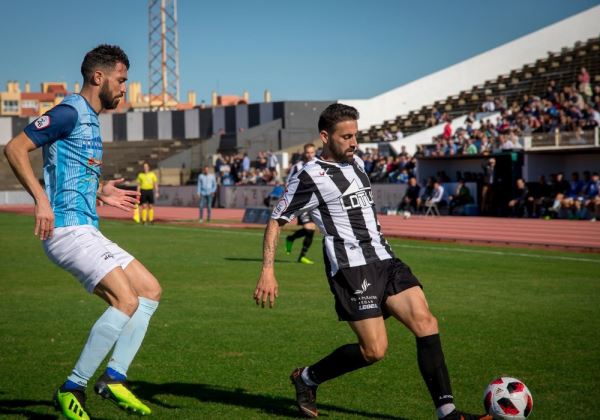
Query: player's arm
[[267, 288], [17, 154]]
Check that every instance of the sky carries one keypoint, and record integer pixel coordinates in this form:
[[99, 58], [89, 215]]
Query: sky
[[298, 50]]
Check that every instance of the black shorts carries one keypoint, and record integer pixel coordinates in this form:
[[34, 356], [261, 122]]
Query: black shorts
[[361, 292], [147, 197], [304, 218]]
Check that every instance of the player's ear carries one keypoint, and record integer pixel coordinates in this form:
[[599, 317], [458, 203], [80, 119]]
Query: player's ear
[[97, 78], [324, 136]]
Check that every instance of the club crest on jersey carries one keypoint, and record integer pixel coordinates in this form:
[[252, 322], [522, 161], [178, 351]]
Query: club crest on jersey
[[42, 122], [94, 162], [281, 206], [356, 198]]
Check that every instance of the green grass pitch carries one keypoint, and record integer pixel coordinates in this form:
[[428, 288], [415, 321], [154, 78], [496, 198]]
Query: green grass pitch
[[211, 353]]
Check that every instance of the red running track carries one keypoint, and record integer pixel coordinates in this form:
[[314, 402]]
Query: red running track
[[553, 234]]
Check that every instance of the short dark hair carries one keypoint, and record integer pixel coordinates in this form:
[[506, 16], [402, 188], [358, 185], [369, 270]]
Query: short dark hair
[[308, 146], [334, 114], [104, 56]]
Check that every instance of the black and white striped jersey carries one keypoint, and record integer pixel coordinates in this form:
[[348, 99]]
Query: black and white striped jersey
[[339, 199], [297, 167]]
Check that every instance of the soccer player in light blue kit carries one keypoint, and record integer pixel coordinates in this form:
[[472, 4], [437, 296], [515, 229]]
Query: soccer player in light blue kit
[[67, 223]]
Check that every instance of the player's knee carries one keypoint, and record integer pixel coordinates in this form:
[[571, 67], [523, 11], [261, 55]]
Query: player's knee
[[374, 352], [128, 304], [155, 293], [424, 323]]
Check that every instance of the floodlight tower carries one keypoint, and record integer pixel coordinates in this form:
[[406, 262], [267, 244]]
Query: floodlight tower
[[163, 63]]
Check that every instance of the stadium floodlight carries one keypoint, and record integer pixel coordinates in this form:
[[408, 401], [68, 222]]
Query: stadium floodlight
[[163, 58]]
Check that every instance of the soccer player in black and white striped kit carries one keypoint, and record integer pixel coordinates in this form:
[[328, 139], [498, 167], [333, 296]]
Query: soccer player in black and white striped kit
[[307, 231], [368, 282]]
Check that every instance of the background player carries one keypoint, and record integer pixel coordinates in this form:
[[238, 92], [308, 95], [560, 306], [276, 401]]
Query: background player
[[67, 223], [368, 282], [148, 188], [308, 227]]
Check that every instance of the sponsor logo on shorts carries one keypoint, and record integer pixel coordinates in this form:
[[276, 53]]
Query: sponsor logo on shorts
[[363, 287], [107, 255], [42, 122]]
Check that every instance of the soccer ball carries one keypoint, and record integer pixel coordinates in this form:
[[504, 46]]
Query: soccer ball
[[507, 398], [406, 214]]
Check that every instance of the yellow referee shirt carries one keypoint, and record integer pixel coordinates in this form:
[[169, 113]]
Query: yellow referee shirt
[[147, 180]]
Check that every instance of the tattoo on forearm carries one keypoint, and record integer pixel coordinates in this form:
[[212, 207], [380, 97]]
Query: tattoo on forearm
[[270, 244]]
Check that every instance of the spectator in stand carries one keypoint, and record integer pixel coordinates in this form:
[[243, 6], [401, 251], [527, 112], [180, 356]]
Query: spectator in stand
[[520, 202], [261, 161], [403, 176], [470, 148], [410, 201], [505, 143], [488, 105], [540, 197], [387, 135], [461, 197], [399, 134], [272, 161], [447, 135], [486, 147], [245, 164]]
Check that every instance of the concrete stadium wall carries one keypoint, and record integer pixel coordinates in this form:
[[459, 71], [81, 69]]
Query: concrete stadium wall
[[477, 70]]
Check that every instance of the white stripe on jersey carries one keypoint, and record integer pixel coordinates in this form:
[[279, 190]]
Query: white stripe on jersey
[[339, 199]]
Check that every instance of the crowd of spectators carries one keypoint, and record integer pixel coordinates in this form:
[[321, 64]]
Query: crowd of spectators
[[572, 108], [239, 169]]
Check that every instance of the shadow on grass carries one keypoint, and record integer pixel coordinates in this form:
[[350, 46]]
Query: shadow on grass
[[238, 397], [24, 408], [256, 260]]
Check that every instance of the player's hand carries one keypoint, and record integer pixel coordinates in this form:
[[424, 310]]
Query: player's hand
[[44, 220], [157, 194], [122, 199], [266, 290]]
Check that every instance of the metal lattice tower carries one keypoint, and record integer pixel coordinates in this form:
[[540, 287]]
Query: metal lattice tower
[[163, 63]]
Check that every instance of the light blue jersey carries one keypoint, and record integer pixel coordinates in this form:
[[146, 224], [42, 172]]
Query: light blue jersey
[[72, 148]]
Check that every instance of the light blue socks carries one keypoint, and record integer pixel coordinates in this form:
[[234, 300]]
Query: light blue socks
[[102, 337], [131, 337]]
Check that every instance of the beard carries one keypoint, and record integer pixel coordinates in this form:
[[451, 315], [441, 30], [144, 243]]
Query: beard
[[343, 156], [106, 99]]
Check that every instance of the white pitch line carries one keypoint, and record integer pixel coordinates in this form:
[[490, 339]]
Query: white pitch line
[[429, 248], [500, 253]]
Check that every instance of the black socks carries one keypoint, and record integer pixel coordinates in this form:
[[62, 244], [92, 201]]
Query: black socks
[[433, 369], [344, 359]]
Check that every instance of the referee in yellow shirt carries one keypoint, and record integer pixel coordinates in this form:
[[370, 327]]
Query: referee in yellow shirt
[[148, 187]]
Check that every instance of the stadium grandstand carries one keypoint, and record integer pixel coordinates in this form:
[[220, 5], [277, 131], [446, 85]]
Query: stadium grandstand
[[536, 100]]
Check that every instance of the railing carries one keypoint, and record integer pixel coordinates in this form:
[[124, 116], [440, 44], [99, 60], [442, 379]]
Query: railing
[[563, 140]]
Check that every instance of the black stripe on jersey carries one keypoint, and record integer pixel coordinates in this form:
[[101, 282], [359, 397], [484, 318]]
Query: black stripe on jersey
[[338, 243], [364, 179], [302, 195], [357, 220]]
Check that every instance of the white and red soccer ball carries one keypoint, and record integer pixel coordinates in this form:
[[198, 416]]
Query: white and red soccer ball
[[507, 398]]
